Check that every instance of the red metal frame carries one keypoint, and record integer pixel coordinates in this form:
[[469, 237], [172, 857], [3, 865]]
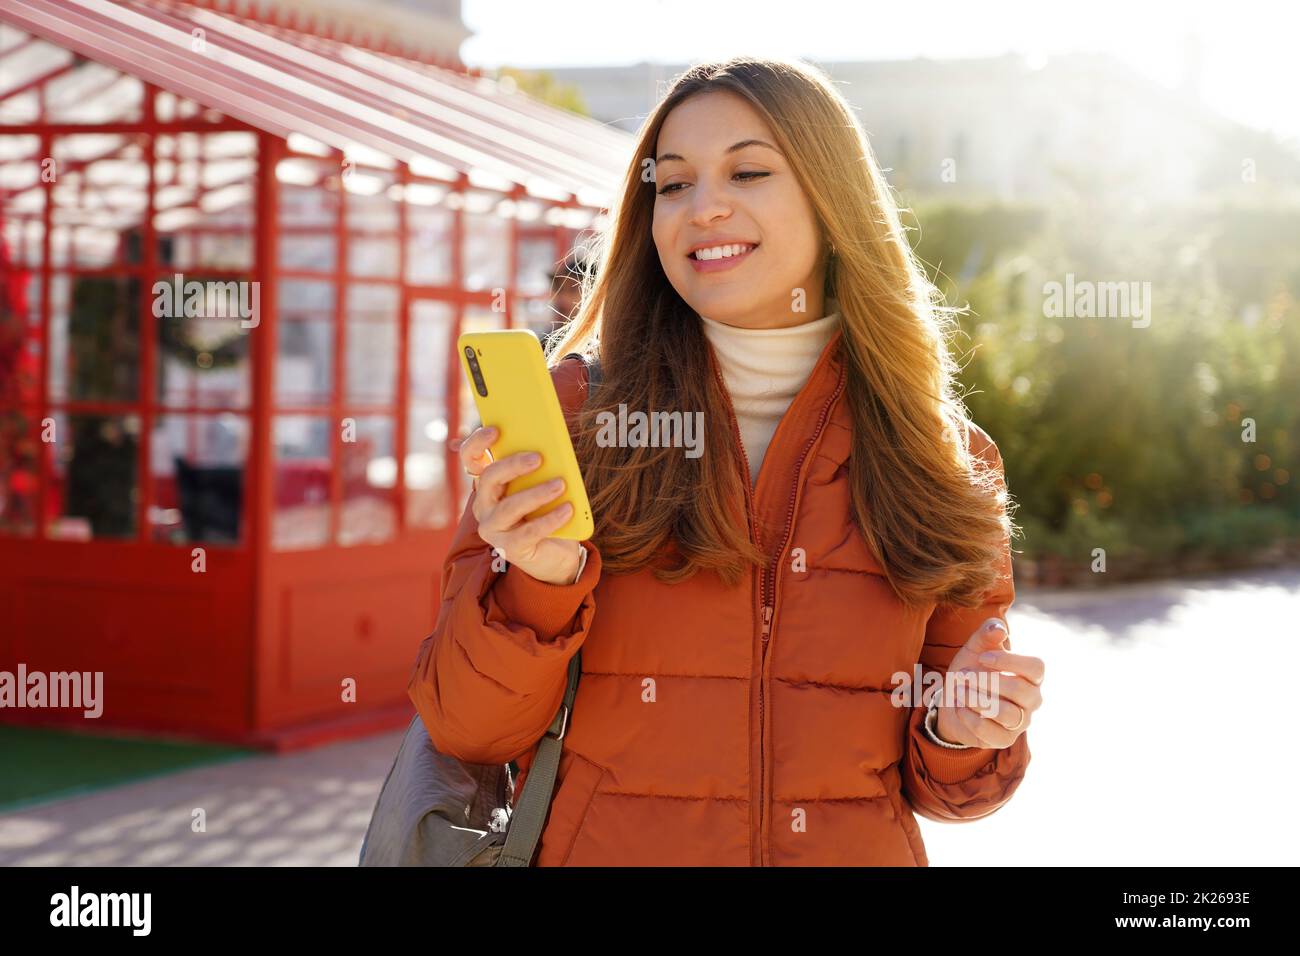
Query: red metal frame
[[253, 650], [148, 394]]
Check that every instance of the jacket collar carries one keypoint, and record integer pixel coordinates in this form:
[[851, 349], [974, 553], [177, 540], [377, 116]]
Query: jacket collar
[[795, 441]]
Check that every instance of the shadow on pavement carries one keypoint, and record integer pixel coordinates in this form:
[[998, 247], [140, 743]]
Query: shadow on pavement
[[1123, 609], [308, 808]]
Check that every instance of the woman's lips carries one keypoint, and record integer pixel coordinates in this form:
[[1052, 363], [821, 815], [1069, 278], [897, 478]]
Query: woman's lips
[[720, 265]]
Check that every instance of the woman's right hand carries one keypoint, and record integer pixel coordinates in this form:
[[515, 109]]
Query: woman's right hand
[[502, 518]]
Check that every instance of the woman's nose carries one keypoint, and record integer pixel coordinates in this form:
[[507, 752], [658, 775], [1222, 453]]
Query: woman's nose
[[708, 204]]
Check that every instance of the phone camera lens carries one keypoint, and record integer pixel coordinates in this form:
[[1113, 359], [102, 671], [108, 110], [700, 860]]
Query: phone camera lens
[[475, 372]]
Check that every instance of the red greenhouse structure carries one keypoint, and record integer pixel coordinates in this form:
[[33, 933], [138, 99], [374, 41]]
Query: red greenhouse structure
[[235, 256]]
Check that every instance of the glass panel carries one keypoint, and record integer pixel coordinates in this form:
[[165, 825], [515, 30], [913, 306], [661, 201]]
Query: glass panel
[[198, 464], [204, 200], [302, 482], [94, 338], [311, 252], [487, 251], [304, 367], [372, 344], [164, 106], [24, 199], [373, 257], [536, 265], [99, 183], [428, 243], [372, 221], [93, 93], [309, 205], [203, 359], [428, 490], [22, 109], [93, 491], [19, 441], [27, 62], [369, 473]]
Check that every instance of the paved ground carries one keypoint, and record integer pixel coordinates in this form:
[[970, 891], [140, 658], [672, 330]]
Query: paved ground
[[303, 809], [1167, 734], [1163, 739]]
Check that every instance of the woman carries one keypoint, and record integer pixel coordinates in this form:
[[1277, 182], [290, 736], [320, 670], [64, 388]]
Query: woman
[[746, 612]]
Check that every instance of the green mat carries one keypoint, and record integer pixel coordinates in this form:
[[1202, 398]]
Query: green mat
[[37, 765]]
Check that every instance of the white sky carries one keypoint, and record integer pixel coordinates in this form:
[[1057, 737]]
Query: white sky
[[1250, 48]]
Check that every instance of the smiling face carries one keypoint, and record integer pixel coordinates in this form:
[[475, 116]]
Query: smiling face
[[735, 232]]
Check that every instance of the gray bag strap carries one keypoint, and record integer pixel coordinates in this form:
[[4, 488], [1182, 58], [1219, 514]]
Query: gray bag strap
[[593, 367], [529, 817]]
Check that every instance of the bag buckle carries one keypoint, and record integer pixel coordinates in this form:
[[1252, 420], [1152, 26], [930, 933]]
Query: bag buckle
[[563, 718]]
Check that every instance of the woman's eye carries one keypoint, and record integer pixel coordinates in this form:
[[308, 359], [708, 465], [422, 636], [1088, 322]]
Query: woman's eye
[[748, 175]]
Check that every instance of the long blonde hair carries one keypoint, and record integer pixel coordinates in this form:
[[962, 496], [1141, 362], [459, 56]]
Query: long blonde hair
[[934, 518]]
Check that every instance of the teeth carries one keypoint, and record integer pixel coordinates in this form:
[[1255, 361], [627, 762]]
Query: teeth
[[722, 252]]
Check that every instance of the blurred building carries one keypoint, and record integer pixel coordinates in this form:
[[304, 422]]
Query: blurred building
[[1002, 128]]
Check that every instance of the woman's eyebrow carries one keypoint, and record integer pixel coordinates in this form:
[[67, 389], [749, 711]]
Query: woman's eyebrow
[[733, 148]]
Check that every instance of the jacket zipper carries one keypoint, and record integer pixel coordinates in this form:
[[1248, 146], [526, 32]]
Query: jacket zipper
[[753, 537], [769, 610], [767, 583]]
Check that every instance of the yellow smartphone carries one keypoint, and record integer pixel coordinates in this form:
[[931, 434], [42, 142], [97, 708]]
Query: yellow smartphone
[[513, 392]]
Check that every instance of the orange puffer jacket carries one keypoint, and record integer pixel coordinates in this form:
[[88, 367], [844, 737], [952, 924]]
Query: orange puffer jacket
[[720, 726]]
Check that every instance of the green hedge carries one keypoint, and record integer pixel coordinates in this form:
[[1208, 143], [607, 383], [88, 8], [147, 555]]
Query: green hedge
[[1129, 438]]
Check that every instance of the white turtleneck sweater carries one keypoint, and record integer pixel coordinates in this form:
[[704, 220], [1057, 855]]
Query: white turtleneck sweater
[[764, 370]]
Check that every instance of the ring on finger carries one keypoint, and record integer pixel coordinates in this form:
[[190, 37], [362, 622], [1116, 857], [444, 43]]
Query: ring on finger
[[994, 716]]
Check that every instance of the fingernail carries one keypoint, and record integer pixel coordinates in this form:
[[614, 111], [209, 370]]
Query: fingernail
[[996, 625], [988, 657], [533, 458]]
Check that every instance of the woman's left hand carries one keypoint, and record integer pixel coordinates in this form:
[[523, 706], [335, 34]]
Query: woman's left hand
[[998, 720]]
